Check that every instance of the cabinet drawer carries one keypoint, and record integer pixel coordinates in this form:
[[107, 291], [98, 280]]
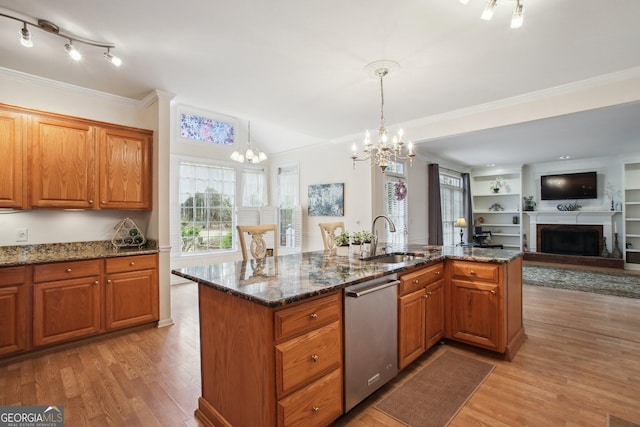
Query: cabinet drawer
[[419, 279], [66, 270], [130, 263], [318, 404], [307, 357], [306, 317], [475, 271], [13, 276]]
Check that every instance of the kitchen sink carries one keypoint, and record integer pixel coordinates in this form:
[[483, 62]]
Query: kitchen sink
[[392, 258]]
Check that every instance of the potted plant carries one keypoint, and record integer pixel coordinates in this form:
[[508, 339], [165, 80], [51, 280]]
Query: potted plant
[[528, 204], [342, 244]]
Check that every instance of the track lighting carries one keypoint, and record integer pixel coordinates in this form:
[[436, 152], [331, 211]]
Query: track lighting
[[112, 58], [516, 18], [51, 28], [25, 36], [72, 51], [490, 7]]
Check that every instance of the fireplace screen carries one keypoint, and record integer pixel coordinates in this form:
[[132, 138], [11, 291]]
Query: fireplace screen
[[569, 241]]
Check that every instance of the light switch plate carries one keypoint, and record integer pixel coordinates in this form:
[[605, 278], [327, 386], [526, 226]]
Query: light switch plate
[[22, 234]]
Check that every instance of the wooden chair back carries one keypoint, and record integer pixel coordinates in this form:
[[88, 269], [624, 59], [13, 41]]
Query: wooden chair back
[[328, 230], [257, 246]]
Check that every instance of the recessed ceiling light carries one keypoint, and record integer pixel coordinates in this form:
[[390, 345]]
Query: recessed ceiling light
[[564, 157], [489, 165]]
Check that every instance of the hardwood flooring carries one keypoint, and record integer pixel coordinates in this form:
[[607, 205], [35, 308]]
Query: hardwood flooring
[[580, 362]]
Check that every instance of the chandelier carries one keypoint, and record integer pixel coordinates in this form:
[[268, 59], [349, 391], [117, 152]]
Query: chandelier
[[250, 155], [384, 150]]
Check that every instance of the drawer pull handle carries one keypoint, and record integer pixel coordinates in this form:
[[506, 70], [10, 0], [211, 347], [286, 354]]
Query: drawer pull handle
[[68, 270], [437, 273], [416, 281], [313, 315], [492, 292], [472, 272], [132, 263], [315, 409], [314, 357]]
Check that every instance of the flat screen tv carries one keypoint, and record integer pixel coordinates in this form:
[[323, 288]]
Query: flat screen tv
[[568, 186]]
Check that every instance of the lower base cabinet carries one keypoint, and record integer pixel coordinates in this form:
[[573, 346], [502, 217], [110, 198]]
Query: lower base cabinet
[[47, 304], [15, 310]]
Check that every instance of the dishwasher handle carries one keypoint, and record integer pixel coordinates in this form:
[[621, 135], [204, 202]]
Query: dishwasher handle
[[369, 290]]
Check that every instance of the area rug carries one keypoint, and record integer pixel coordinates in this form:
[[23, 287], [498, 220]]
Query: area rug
[[606, 283], [433, 396], [614, 421]]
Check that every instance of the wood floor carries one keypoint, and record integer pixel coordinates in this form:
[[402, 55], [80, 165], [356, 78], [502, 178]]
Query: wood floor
[[580, 362]]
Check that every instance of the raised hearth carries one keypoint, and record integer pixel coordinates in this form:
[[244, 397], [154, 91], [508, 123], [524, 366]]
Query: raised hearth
[[594, 261]]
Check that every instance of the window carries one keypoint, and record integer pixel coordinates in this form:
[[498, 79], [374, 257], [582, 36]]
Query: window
[[288, 191], [207, 201], [451, 199], [395, 189], [254, 188]]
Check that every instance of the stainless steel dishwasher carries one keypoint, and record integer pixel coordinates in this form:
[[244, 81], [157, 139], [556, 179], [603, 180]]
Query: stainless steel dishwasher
[[371, 337]]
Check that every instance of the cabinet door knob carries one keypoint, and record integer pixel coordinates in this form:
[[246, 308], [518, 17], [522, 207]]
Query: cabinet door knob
[[437, 273], [492, 291], [109, 281], [90, 202], [313, 315], [472, 272], [415, 281], [315, 409], [132, 263], [96, 282], [314, 357], [68, 270], [104, 202]]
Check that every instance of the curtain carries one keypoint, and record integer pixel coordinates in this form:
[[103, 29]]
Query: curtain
[[254, 188], [468, 214], [435, 210]]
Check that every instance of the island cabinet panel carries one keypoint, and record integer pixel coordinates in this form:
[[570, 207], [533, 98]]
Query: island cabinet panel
[[63, 165], [131, 291], [267, 366], [420, 312], [484, 305], [125, 169], [66, 301], [15, 310], [13, 161]]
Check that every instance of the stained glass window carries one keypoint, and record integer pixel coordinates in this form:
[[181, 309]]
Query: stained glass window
[[205, 129]]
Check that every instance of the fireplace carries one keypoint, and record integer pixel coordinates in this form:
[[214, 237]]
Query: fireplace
[[582, 240]]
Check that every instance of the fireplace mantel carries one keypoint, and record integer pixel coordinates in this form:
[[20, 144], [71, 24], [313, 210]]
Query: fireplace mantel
[[604, 218]]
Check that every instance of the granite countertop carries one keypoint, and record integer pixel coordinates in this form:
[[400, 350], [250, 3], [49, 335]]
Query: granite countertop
[[73, 251], [289, 278]]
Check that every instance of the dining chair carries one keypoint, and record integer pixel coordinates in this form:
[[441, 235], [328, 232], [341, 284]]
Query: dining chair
[[328, 230], [257, 246]]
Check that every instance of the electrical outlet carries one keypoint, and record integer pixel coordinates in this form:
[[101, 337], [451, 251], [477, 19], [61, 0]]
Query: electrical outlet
[[22, 234]]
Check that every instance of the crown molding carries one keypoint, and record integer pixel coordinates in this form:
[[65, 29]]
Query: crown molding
[[42, 81]]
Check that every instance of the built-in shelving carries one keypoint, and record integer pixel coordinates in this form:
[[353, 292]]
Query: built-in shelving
[[631, 245], [498, 211]]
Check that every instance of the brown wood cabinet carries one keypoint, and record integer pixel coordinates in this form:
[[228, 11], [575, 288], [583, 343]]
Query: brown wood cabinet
[[131, 291], [71, 163], [420, 312], [270, 366], [76, 299], [13, 161], [15, 310], [66, 301], [485, 304], [125, 169]]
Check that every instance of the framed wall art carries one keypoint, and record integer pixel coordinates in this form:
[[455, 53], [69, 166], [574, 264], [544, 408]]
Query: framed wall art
[[326, 200]]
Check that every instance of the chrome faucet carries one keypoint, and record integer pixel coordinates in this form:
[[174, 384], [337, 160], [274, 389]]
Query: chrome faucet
[[374, 232]]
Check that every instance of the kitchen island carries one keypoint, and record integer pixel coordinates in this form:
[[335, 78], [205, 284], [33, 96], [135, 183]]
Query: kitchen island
[[272, 331]]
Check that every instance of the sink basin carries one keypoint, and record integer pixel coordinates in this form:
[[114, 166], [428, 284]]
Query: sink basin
[[392, 258]]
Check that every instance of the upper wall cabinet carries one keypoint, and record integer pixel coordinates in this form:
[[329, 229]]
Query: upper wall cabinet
[[125, 171], [13, 161], [73, 163], [63, 164]]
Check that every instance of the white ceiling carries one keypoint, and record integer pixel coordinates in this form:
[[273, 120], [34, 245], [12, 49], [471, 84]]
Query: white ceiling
[[295, 68]]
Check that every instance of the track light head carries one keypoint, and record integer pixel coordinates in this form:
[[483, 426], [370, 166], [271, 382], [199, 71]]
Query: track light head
[[517, 18], [72, 51], [25, 37], [489, 9], [116, 61]]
